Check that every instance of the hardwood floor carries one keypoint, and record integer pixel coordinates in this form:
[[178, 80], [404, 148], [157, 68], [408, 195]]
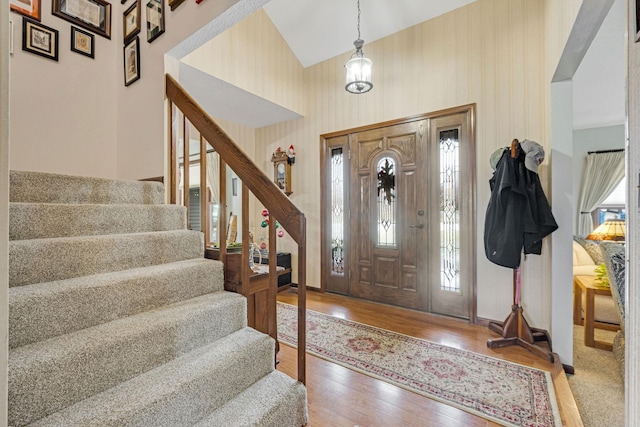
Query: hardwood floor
[[341, 397]]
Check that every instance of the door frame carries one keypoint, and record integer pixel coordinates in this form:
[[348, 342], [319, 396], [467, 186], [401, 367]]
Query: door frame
[[325, 246]]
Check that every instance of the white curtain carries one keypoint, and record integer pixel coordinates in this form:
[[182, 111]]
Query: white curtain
[[602, 173], [213, 175]]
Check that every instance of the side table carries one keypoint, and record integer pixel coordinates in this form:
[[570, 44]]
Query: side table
[[590, 287]]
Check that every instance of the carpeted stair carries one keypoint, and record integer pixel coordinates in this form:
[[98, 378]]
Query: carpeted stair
[[116, 319]]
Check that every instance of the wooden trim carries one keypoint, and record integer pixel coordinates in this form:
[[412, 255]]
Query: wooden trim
[[418, 117], [173, 173], [153, 179], [185, 167], [302, 303], [203, 189]]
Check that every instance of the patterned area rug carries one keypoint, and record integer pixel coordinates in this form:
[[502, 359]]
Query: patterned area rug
[[501, 391]]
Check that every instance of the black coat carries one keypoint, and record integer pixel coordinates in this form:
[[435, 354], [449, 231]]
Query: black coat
[[518, 215]]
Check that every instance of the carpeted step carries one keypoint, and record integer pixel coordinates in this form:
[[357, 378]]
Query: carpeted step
[[180, 392], [275, 401], [39, 187], [47, 260], [50, 375], [45, 310], [44, 220]]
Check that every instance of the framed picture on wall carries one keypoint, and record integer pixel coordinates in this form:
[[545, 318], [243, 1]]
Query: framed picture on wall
[[155, 19], [82, 42], [39, 39], [175, 3], [132, 61], [92, 15], [131, 22], [30, 8], [637, 21]]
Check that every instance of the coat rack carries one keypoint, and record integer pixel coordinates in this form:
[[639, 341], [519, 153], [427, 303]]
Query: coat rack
[[515, 330]]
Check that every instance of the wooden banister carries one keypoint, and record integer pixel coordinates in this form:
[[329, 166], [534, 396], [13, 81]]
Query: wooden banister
[[260, 185]]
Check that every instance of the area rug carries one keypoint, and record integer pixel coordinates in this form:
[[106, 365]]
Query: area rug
[[501, 391]]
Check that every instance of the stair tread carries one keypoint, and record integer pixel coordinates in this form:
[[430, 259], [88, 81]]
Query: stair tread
[[275, 400], [47, 220], [27, 186], [45, 260], [44, 310], [171, 394]]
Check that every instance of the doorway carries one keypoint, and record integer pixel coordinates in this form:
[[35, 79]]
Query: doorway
[[398, 212]]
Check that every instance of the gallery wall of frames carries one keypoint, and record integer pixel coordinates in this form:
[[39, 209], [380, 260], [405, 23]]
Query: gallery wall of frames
[[143, 21]]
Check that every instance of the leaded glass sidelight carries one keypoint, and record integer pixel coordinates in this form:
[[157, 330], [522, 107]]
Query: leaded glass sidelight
[[450, 211], [386, 202], [337, 211]]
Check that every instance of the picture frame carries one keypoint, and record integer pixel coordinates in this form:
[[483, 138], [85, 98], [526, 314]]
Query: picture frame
[[10, 37], [39, 39], [131, 61], [637, 21], [92, 15], [131, 22], [30, 8], [173, 4], [155, 19], [82, 42]]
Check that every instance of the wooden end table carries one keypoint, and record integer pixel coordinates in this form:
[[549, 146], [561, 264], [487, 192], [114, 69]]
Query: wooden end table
[[590, 286]]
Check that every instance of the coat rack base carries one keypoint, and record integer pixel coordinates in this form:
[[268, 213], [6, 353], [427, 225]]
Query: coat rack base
[[516, 331]]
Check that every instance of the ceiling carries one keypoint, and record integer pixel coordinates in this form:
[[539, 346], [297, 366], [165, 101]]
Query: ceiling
[[316, 30]]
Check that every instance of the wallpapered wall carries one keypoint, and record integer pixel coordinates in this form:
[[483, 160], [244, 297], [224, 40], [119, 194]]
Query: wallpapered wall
[[495, 53]]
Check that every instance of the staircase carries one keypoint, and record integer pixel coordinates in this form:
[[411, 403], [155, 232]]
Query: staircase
[[116, 319]]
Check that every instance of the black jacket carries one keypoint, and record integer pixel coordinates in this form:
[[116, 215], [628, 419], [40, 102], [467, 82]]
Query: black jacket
[[518, 215]]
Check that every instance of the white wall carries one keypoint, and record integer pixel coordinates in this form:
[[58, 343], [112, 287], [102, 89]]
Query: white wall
[[63, 113], [75, 116]]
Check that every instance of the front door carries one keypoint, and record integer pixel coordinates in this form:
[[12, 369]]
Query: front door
[[399, 214], [388, 222]]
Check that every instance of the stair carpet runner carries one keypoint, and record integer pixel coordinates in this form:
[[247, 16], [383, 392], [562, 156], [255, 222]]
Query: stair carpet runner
[[116, 318]]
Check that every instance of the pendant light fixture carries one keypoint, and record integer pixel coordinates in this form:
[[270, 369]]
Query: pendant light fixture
[[358, 67]]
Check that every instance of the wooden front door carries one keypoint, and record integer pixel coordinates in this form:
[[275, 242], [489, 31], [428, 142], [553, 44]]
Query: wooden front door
[[387, 223], [399, 214]]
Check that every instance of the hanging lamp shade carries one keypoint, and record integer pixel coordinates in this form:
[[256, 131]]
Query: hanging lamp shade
[[358, 71]]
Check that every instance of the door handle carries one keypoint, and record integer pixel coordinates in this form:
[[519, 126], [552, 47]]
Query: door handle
[[418, 225]]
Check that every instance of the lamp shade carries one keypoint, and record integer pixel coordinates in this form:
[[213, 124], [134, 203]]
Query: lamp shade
[[612, 229], [358, 71]]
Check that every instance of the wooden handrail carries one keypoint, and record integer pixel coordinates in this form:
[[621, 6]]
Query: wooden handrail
[[263, 188], [259, 183]]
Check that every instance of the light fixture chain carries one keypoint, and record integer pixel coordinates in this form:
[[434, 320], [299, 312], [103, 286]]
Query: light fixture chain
[[358, 19]]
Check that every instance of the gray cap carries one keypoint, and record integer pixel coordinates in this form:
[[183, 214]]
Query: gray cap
[[495, 157], [534, 154]]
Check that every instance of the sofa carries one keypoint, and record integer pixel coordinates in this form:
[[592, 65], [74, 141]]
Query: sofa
[[587, 255], [615, 261]]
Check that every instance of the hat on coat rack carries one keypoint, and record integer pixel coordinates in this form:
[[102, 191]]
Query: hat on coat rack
[[495, 157], [534, 154]]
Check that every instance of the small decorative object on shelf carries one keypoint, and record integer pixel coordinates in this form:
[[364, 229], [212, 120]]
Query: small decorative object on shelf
[[282, 162]]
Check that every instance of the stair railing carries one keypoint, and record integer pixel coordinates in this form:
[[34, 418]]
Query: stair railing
[[281, 209]]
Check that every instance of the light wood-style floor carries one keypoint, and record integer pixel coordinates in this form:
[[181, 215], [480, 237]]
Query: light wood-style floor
[[341, 397]]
